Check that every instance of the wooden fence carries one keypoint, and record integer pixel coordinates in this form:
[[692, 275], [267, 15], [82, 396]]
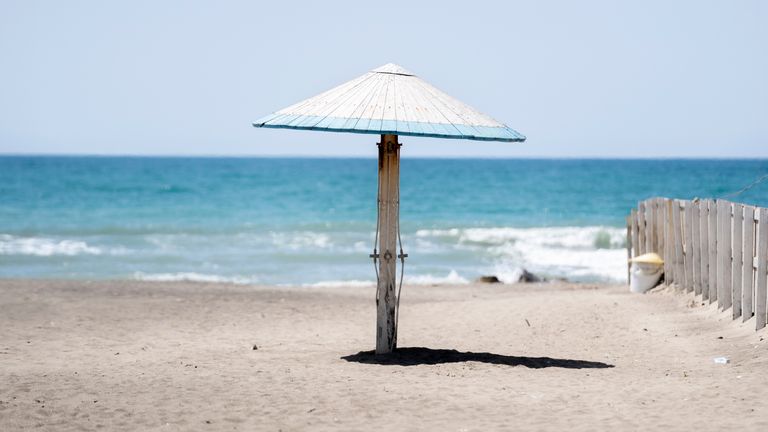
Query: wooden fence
[[713, 248]]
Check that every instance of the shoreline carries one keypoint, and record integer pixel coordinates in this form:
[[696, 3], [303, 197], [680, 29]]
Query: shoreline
[[294, 253], [131, 355]]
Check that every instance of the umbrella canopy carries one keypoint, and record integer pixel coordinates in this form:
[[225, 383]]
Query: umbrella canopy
[[390, 100]]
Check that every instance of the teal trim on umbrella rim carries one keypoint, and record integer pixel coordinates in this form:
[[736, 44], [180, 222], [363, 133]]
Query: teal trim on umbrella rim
[[390, 127]]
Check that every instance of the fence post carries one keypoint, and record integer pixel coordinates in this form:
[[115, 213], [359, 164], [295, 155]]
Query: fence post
[[695, 246], [654, 226], [661, 212], [677, 243], [657, 222], [648, 217], [688, 244], [724, 254], [704, 219], [641, 227], [669, 241], [761, 289], [712, 250], [634, 233], [629, 220], [748, 264], [737, 264]]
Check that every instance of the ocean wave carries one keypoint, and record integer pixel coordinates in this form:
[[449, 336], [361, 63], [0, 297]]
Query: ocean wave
[[452, 277], [193, 277], [577, 253], [591, 237], [303, 239], [41, 246], [342, 283], [597, 265]]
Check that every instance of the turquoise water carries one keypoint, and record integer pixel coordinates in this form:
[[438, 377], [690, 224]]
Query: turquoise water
[[312, 221]]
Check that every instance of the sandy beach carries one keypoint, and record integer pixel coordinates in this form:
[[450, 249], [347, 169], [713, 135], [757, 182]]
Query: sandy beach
[[180, 356]]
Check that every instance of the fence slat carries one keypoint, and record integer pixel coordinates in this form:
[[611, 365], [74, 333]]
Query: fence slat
[[724, 254], [660, 225], [668, 246], [736, 264], [630, 218], [761, 288], [661, 210], [635, 245], [704, 219], [649, 217], [720, 252], [748, 268], [695, 247], [688, 244], [654, 222], [712, 250], [641, 227], [677, 242]]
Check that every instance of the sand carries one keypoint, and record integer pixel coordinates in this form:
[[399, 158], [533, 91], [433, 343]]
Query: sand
[[180, 356]]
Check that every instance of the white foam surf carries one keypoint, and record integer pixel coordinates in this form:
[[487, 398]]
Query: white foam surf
[[40, 246], [342, 283], [194, 277], [578, 253], [301, 240], [451, 278], [427, 279]]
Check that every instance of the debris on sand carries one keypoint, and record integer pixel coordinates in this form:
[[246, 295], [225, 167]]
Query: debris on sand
[[528, 277], [489, 279]]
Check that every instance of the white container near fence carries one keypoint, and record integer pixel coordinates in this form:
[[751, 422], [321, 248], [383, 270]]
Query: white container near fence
[[645, 272]]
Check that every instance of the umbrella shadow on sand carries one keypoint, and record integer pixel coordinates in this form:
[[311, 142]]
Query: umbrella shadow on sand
[[414, 356]]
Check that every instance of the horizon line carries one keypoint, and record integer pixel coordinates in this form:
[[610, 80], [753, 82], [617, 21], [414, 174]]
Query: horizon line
[[316, 156]]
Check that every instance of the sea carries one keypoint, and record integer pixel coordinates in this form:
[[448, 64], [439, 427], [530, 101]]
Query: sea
[[311, 221]]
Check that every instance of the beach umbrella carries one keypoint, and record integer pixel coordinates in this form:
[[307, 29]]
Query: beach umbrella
[[389, 101]]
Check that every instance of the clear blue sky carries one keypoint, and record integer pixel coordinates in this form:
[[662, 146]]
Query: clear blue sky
[[580, 79]]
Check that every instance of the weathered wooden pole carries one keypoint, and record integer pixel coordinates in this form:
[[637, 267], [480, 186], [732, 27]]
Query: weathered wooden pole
[[389, 202]]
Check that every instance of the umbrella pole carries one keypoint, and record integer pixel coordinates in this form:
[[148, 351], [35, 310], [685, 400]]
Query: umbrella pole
[[389, 194]]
